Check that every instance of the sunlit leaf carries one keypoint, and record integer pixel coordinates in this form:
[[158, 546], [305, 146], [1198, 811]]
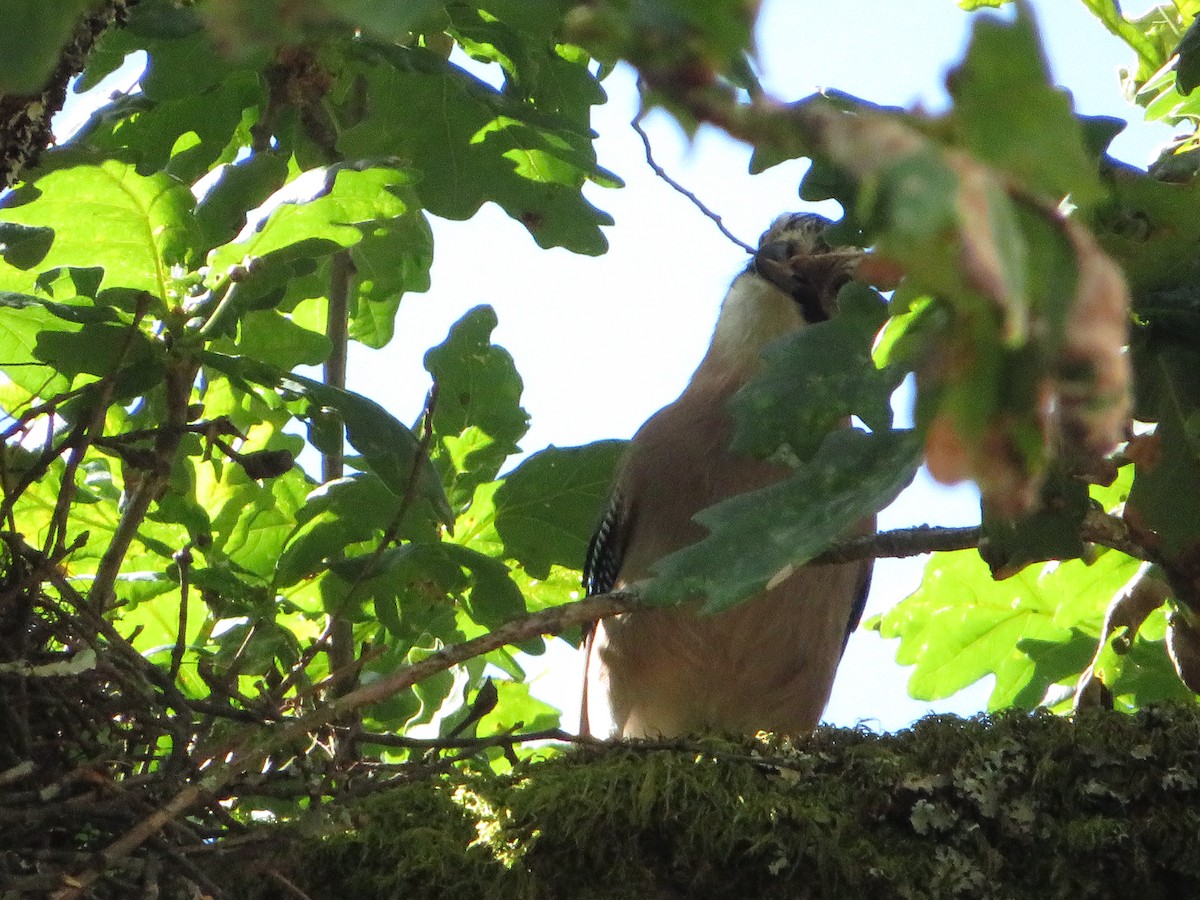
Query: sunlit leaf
[[534, 170], [134, 227], [548, 507], [960, 626], [388, 447], [478, 388]]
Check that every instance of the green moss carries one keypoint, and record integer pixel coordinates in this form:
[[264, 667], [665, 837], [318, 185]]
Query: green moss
[[1016, 806]]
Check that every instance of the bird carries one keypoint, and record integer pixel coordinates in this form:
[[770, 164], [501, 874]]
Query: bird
[[767, 664]]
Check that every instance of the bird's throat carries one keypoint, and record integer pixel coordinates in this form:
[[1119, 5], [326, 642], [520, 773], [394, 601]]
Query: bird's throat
[[753, 314]]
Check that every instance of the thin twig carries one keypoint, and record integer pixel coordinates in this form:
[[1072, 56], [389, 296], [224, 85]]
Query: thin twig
[[1098, 528], [46, 406], [900, 543], [679, 188], [37, 468], [56, 533], [275, 695], [474, 743], [289, 885], [184, 560], [180, 376], [337, 323]]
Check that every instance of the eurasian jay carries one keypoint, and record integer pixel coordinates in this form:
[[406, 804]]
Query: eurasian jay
[[769, 663]]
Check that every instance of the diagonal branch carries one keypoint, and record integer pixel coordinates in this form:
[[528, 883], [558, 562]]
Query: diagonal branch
[[25, 119]]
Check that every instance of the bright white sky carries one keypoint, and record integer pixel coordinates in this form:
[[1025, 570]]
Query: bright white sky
[[602, 343]]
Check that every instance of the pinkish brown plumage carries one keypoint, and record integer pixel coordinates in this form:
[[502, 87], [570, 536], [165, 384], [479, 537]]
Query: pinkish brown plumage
[[769, 663]]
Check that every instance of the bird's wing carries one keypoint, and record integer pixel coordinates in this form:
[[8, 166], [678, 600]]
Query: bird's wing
[[606, 549], [860, 604], [601, 568]]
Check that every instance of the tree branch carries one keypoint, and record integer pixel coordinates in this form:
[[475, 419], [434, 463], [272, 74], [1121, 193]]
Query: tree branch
[[181, 375], [902, 542], [25, 119], [1098, 528]]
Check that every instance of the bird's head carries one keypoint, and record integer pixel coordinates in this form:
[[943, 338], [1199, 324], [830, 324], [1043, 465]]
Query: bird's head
[[795, 257]]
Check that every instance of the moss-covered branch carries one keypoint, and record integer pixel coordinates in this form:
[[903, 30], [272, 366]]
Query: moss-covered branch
[[1018, 806]]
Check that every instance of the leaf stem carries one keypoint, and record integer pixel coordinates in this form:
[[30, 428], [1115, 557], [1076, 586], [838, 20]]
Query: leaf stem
[[337, 322], [209, 329]]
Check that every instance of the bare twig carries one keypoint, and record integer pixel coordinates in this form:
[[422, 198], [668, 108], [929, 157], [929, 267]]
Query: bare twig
[[181, 374], [56, 534], [1098, 528], [679, 188], [183, 559], [1112, 532], [289, 886], [37, 468], [298, 669], [475, 743], [21, 424], [901, 542], [337, 323]]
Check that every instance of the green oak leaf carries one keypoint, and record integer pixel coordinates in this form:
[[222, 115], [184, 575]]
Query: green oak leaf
[[390, 449], [477, 388], [335, 515], [253, 531], [473, 145], [138, 228], [366, 209], [814, 379], [321, 212], [960, 625], [1039, 140], [384, 19], [755, 536], [548, 507], [184, 137], [277, 339], [74, 338], [1187, 70], [240, 186], [1140, 206]]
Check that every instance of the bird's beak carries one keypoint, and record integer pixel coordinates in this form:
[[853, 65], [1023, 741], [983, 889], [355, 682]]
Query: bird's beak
[[773, 261], [811, 279]]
